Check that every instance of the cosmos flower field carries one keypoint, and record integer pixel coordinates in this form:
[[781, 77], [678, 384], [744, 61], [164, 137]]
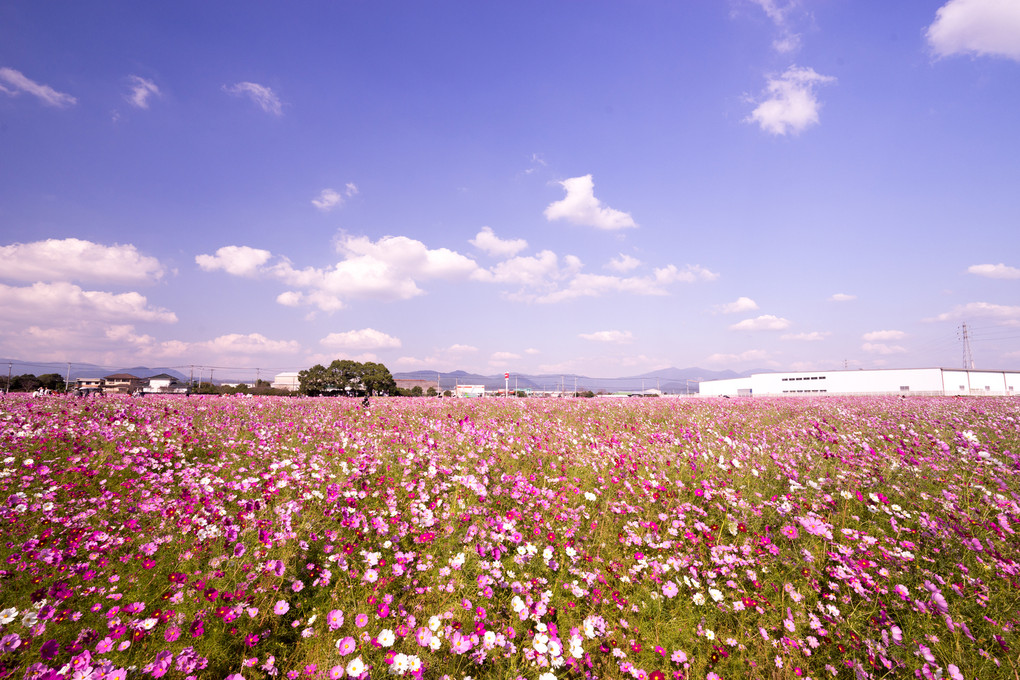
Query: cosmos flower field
[[224, 537]]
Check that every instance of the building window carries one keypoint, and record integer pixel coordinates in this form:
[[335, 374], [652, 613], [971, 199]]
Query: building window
[[963, 387], [904, 388]]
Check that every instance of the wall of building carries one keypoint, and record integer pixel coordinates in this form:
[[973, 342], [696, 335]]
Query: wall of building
[[916, 381], [286, 381], [728, 387]]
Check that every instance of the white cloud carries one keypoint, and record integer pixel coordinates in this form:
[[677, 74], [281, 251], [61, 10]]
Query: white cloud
[[788, 41], [72, 259], [623, 263], [693, 272], [388, 269], [487, 241], [458, 348], [1009, 314], [594, 285], [813, 336], [995, 271], [582, 208], [741, 304], [532, 350], [721, 359], [982, 27], [883, 335], [503, 356], [882, 348], [236, 260], [331, 198], [141, 91], [841, 297], [617, 337], [765, 322], [14, 83], [791, 104], [232, 344], [327, 200], [366, 338], [532, 271], [61, 300], [263, 96]]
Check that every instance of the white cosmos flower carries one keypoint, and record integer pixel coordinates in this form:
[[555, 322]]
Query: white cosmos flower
[[356, 666]]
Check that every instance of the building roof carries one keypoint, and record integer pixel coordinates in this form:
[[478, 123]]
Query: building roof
[[121, 376]]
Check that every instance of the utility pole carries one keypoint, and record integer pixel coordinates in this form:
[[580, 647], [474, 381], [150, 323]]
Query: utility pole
[[968, 358], [9, 366], [67, 380], [191, 378]]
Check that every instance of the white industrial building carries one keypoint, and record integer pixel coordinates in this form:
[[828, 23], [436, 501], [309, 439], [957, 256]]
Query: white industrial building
[[901, 381], [286, 381]]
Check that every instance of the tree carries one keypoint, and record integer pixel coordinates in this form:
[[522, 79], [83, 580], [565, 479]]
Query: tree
[[52, 381], [431, 392], [26, 382], [312, 381], [344, 377], [377, 379]]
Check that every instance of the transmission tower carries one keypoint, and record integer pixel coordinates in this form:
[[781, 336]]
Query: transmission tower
[[968, 358]]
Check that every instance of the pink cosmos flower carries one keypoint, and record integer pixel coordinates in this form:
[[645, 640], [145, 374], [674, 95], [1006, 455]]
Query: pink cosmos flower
[[346, 646], [669, 589], [423, 636], [335, 619], [281, 608]]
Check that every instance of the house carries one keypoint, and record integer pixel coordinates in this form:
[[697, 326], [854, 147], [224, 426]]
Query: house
[[164, 383], [89, 384], [122, 383]]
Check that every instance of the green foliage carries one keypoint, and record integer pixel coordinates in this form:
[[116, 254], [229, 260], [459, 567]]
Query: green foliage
[[345, 377]]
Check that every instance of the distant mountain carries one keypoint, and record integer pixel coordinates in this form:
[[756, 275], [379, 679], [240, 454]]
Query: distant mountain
[[80, 370], [668, 380]]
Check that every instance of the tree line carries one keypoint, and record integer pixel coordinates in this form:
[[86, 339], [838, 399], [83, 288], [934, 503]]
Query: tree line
[[345, 377], [29, 382]]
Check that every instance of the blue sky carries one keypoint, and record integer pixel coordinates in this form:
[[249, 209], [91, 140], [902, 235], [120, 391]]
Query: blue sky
[[605, 188]]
